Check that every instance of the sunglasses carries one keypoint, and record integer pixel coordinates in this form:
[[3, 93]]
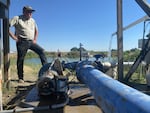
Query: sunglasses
[[29, 11]]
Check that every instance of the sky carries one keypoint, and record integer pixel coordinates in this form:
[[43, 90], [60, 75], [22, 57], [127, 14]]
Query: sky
[[64, 24]]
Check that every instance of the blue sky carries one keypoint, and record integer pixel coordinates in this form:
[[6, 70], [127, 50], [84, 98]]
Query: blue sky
[[64, 24]]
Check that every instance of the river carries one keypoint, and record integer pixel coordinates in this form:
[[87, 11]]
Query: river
[[50, 59], [67, 60]]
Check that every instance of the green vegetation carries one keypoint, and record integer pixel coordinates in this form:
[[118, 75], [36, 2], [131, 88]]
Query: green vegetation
[[131, 55], [30, 68], [138, 76]]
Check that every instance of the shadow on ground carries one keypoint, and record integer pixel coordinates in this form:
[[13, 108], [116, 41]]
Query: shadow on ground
[[19, 90], [140, 87]]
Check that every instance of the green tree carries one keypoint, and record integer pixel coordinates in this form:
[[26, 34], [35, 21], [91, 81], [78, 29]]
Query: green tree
[[74, 49], [77, 49]]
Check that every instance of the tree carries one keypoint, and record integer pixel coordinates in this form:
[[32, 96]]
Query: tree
[[74, 49]]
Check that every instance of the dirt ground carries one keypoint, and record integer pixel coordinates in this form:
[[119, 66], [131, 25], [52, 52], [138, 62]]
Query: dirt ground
[[13, 91]]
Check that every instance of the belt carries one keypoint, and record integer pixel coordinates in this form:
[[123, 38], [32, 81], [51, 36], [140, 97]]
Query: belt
[[24, 39]]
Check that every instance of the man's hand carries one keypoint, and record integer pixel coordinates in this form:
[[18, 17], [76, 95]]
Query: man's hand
[[34, 41], [13, 36]]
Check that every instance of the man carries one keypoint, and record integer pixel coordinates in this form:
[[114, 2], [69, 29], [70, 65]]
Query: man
[[25, 35]]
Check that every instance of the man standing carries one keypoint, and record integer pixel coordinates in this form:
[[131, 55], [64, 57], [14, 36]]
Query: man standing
[[25, 35]]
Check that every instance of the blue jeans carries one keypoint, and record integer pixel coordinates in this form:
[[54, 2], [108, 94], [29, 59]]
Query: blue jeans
[[22, 48]]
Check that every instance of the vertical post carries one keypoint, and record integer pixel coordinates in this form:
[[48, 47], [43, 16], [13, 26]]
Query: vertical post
[[80, 51], [120, 40], [6, 49], [4, 6], [1, 107]]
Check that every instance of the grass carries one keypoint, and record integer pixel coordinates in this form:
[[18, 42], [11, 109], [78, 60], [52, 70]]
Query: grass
[[138, 76], [28, 67]]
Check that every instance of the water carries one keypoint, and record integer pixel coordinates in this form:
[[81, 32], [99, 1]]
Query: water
[[67, 60], [50, 59]]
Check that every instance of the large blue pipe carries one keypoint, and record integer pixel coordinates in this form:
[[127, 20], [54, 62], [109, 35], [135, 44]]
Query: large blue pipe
[[111, 95]]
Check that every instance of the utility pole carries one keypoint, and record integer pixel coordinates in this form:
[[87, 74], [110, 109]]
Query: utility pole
[[120, 40]]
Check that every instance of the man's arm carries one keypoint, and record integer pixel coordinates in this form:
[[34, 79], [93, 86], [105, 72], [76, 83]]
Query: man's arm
[[35, 35], [12, 22], [13, 36]]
